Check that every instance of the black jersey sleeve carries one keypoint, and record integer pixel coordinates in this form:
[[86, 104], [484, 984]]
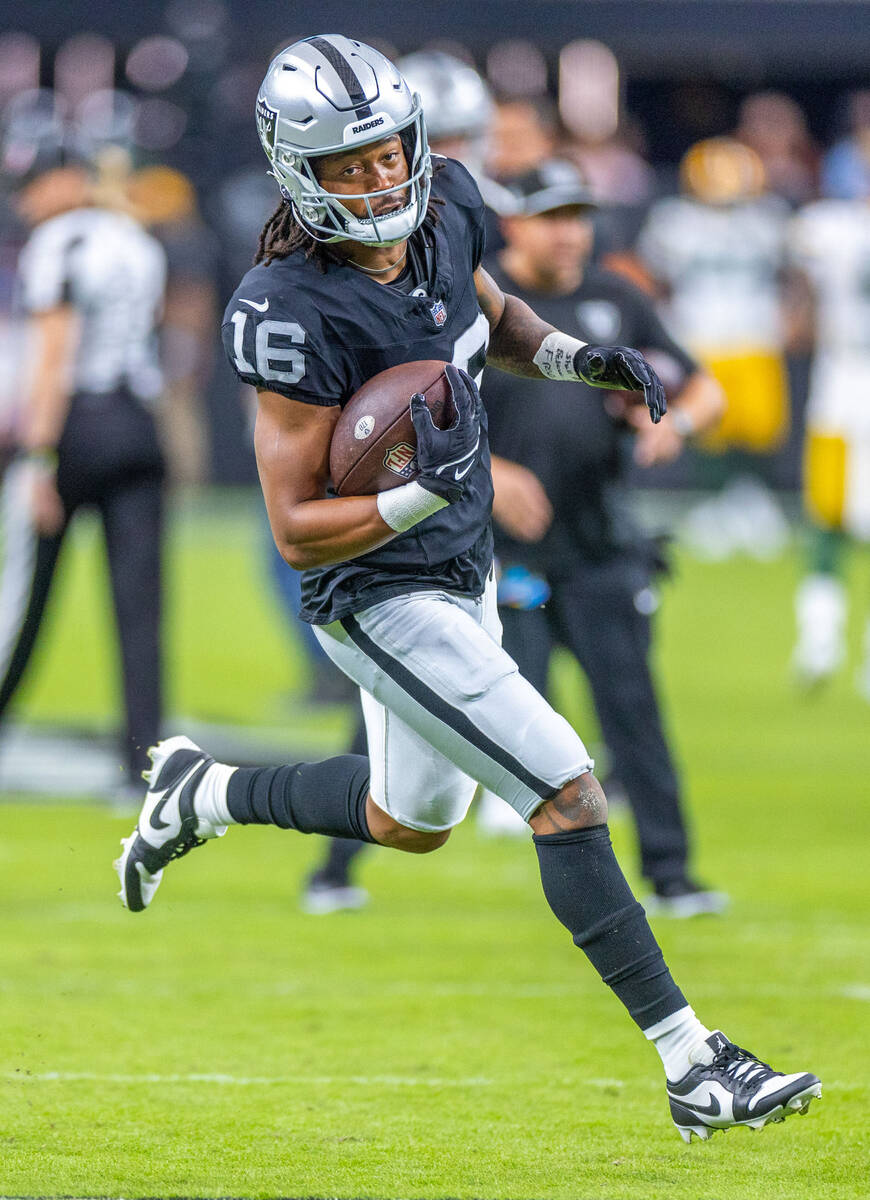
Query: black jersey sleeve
[[275, 340], [453, 182]]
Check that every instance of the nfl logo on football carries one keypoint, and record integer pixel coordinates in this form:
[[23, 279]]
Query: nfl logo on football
[[401, 460], [438, 312]]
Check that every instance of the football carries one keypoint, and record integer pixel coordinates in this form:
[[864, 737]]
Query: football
[[374, 446]]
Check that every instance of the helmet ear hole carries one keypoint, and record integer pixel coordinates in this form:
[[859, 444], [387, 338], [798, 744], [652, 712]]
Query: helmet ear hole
[[408, 139]]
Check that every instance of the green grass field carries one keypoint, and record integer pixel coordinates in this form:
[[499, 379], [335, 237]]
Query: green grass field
[[448, 1041]]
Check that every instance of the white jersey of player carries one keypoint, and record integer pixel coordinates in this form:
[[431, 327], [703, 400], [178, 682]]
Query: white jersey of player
[[830, 242], [113, 273], [722, 266]]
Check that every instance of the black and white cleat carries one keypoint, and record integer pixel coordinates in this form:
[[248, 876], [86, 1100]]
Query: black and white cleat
[[727, 1086], [168, 825]]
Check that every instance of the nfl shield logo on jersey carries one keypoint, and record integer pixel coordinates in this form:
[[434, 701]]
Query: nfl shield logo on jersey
[[401, 459], [438, 312]]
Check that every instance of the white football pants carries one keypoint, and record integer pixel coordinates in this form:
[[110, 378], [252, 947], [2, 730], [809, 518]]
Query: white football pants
[[446, 708]]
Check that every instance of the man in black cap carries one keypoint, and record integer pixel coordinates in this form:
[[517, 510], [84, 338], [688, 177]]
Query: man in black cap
[[91, 282], [575, 569]]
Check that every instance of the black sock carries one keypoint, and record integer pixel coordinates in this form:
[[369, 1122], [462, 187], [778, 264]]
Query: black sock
[[587, 891], [326, 797], [336, 867]]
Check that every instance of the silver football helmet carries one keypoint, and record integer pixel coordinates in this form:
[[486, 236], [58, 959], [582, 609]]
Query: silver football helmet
[[456, 102], [327, 94]]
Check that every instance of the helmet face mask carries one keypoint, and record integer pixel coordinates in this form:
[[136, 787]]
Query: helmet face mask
[[328, 95]]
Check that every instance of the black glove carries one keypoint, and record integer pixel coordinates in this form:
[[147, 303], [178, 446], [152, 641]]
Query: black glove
[[622, 369], [445, 457]]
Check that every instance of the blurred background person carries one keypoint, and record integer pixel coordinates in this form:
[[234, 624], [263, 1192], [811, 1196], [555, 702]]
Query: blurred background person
[[774, 126], [576, 571], [830, 245], [91, 281], [846, 166], [718, 253], [163, 199], [606, 143], [525, 131]]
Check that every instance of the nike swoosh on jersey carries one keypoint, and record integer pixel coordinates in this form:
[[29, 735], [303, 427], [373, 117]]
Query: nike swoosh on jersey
[[253, 303], [461, 474]]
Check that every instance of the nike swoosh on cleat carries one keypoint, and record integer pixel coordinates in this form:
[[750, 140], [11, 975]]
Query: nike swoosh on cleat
[[186, 811], [713, 1109], [155, 820], [185, 799], [461, 474], [253, 303]]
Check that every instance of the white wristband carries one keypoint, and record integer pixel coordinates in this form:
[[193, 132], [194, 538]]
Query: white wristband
[[408, 505], [555, 357]]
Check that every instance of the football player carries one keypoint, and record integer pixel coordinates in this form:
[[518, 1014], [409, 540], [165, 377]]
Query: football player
[[830, 245], [91, 281], [372, 259], [719, 252]]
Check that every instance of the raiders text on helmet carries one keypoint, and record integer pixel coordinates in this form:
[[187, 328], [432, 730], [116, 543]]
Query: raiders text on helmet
[[324, 95]]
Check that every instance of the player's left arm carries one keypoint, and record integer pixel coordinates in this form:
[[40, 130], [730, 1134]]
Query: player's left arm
[[520, 342]]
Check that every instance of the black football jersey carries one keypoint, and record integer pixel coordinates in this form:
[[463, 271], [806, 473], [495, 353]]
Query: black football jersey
[[562, 431], [317, 336]]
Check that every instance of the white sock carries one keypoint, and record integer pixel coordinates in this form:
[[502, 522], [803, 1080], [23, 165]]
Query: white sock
[[674, 1037], [210, 801]]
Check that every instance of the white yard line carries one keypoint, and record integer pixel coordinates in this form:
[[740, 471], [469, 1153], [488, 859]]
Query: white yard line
[[221, 1080], [856, 991], [244, 1080]]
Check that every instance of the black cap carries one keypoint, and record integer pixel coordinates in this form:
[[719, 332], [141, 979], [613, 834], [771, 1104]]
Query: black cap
[[554, 184]]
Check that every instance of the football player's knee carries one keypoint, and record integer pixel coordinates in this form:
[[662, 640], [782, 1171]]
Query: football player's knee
[[387, 831], [580, 804], [414, 841]]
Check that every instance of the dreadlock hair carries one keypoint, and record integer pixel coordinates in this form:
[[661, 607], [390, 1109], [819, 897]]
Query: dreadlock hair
[[283, 234]]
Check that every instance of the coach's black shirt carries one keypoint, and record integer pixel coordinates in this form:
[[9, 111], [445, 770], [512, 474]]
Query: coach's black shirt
[[317, 337], [562, 432]]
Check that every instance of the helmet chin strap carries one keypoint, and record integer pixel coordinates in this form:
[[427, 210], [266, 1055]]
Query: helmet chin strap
[[398, 224]]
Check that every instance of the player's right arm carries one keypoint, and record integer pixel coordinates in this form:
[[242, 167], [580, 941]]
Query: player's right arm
[[302, 381], [291, 440]]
